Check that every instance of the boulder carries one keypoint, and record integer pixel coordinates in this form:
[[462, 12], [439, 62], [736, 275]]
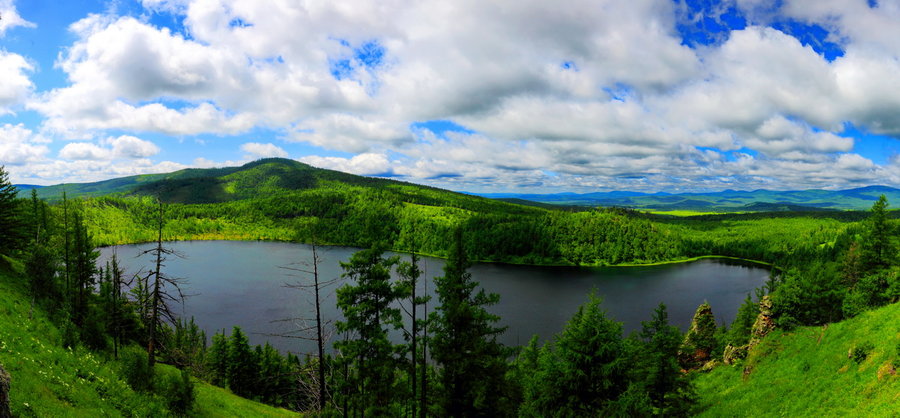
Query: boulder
[[4, 393]]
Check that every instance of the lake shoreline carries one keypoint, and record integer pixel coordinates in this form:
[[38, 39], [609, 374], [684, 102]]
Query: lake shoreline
[[511, 263]]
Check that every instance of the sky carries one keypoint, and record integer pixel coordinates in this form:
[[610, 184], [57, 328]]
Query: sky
[[518, 96]]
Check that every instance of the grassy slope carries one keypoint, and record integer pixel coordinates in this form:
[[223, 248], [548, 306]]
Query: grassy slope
[[807, 372], [51, 381]]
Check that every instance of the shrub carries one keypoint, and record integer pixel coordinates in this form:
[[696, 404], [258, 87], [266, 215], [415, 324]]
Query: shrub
[[177, 388], [861, 352], [136, 371]]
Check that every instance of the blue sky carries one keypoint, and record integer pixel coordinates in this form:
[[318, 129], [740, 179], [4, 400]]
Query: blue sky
[[476, 96]]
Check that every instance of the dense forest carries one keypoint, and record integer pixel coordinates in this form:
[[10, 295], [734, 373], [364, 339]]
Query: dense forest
[[825, 269]]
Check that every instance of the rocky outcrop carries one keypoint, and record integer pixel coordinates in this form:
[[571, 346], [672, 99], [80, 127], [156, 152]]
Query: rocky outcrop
[[4, 393], [764, 324], [700, 339], [732, 354]]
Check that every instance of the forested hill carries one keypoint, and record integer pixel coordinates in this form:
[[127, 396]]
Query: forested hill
[[260, 178]]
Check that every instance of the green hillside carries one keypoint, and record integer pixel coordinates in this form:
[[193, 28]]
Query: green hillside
[[51, 381], [814, 371]]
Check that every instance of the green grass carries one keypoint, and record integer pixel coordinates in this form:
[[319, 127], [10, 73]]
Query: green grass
[[51, 381], [807, 372], [680, 213]]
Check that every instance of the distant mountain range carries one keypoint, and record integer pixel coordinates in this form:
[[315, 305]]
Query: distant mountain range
[[273, 175], [724, 201]]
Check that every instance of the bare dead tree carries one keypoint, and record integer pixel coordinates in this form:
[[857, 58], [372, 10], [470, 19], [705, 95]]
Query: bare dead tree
[[161, 295], [302, 327]]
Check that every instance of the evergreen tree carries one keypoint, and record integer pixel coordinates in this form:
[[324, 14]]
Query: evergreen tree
[[739, 333], [368, 312], [12, 228], [464, 343], [589, 365], [217, 360], [670, 392], [241, 365], [878, 249], [84, 269]]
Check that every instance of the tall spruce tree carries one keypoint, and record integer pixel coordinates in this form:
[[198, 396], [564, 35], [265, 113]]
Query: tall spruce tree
[[12, 229], [464, 343], [368, 311], [670, 392], [588, 368], [878, 249]]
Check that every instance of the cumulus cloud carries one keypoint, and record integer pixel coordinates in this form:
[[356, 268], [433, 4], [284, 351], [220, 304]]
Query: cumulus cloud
[[590, 94], [15, 85], [122, 147], [11, 17], [19, 145], [257, 150], [362, 164]]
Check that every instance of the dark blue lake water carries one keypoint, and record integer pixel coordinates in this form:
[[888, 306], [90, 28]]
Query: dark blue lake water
[[242, 283]]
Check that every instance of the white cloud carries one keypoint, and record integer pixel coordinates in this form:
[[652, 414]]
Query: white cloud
[[127, 146], [84, 151], [257, 150], [15, 85], [596, 93], [122, 147], [362, 164], [19, 145], [11, 18]]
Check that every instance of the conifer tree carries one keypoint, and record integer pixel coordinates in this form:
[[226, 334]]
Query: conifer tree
[[368, 312], [464, 343], [12, 229], [669, 390], [241, 364]]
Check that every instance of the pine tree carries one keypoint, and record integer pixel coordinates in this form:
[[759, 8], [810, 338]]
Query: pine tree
[[669, 390], [878, 249], [217, 360], [588, 369], [368, 312], [12, 228], [241, 364], [739, 333], [464, 343]]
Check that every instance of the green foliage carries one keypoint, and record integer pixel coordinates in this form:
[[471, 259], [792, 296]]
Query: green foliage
[[669, 391], [217, 360], [242, 372], [877, 247], [739, 333], [367, 307], [585, 371], [177, 388], [464, 343], [12, 224], [136, 371], [861, 352]]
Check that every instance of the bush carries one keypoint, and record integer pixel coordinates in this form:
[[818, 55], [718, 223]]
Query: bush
[[861, 352], [177, 388], [136, 371]]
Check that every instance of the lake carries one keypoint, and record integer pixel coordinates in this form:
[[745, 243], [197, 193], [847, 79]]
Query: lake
[[243, 283]]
